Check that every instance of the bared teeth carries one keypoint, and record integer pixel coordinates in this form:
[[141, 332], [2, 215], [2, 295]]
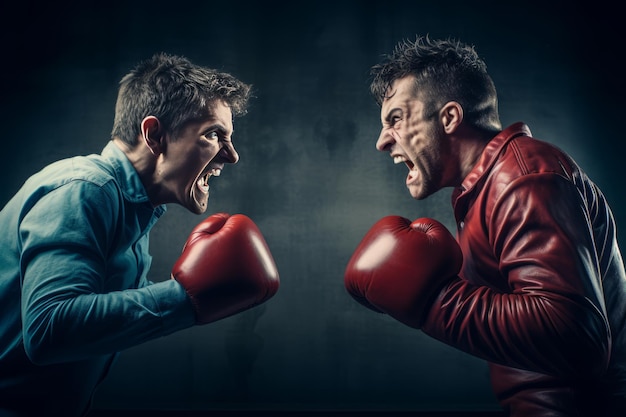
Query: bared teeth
[[203, 183], [399, 159]]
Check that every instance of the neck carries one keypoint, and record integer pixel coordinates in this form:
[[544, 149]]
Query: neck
[[145, 164], [470, 147]]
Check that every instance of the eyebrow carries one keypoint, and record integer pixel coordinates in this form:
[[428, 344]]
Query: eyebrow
[[390, 114], [217, 127]]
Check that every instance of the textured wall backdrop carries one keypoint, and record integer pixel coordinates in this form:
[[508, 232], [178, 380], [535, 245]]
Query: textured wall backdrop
[[309, 174]]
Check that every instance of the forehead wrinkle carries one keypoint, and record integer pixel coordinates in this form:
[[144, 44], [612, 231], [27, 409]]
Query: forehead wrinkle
[[405, 106], [220, 117]]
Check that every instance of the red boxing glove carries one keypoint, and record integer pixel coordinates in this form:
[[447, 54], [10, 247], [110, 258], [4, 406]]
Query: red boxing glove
[[226, 267], [399, 266]]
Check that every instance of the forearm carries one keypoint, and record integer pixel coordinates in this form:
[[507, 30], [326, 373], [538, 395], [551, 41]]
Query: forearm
[[79, 326], [548, 333], [531, 293]]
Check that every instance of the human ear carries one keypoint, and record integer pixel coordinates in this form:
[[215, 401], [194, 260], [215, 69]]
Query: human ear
[[152, 135], [451, 116]]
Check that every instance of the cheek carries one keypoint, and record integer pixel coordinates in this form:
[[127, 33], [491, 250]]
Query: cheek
[[205, 153], [414, 140], [424, 136], [187, 169]]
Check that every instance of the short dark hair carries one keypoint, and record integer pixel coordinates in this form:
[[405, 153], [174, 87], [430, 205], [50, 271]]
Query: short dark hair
[[444, 70], [175, 91]]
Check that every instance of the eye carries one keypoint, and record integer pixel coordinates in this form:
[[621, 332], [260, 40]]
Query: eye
[[395, 120], [211, 135]]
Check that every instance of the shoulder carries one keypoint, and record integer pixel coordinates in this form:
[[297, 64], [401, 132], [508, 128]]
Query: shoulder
[[92, 169], [80, 181], [526, 165], [534, 156]]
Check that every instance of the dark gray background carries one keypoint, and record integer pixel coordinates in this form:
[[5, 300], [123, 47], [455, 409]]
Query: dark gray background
[[309, 174]]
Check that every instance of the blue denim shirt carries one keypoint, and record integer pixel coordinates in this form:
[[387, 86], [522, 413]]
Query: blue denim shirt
[[73, 286]]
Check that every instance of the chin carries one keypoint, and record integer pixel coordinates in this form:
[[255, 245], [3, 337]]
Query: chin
[[197, 207], [197, 203], [418, 193], [198, 210]]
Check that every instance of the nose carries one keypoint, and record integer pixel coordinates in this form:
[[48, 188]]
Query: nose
[[228, 153], [385, 140]]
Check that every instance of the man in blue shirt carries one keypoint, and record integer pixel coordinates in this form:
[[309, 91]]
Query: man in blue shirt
[[74, 248]]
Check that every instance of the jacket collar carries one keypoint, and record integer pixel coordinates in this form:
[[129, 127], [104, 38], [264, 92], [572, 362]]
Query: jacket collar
[[491, 152], [488, 158]]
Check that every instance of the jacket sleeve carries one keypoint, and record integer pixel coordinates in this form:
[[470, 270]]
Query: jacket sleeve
[[552, 319], [69, 312]]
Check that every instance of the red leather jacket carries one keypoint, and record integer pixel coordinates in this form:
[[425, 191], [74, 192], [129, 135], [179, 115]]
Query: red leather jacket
[[542, 291]]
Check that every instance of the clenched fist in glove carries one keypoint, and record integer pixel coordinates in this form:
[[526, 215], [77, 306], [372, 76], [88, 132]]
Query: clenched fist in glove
[[226, 267], [400, 265]]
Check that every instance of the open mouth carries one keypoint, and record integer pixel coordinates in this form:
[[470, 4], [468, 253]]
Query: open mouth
[[413, 173], [398, 159], [203, 179]]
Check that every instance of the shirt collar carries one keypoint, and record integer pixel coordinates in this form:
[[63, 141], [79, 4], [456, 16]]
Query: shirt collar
[[126, 175]]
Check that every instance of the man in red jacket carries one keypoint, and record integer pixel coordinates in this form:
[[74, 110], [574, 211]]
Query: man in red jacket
[[538, 287]]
